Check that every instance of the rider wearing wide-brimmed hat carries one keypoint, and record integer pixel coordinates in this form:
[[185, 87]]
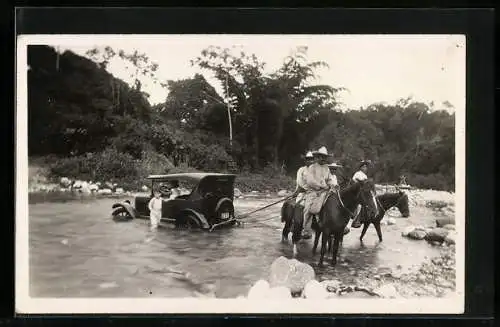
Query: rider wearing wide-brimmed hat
[[318, 181], [360, 175]]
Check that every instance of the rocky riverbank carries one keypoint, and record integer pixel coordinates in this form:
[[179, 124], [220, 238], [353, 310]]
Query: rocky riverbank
[[290, 278]]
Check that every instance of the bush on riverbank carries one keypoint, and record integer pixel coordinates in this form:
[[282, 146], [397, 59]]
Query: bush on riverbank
[[113, 166]]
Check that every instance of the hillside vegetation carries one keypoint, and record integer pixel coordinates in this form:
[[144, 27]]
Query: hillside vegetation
[[85, 123]]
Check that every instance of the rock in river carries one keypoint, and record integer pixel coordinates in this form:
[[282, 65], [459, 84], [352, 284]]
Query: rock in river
[[391, 221], [441, 222], [407, 230], [437, 235], [259, 290], [417, 234], [450, 238], [292, 274], [315, 290], [387, 291]]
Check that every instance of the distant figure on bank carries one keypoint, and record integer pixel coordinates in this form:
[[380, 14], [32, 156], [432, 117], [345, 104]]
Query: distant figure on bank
[[359, 176], [155, 205]]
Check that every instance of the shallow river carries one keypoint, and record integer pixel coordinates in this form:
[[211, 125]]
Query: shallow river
[[77, 250]]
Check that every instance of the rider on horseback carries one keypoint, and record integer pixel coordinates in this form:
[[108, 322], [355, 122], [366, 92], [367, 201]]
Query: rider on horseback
[[318, 181], [299, 188], [359, 176]]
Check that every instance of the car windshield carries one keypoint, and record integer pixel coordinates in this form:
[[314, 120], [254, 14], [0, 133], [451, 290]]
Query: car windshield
[[184, 186]]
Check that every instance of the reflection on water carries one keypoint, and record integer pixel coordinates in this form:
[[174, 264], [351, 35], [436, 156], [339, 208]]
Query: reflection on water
[[77, 250]]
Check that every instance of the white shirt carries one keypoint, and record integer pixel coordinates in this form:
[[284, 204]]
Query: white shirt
[[334, 180], [155, 204], [359, 176], [318, 177], [300, 177]]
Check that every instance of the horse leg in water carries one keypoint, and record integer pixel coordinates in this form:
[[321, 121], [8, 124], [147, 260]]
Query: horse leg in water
[[317, 234], [286, 216], [363, 232], [379, 231], [286, 229], [324, 241], [337, 240], [297, 225]]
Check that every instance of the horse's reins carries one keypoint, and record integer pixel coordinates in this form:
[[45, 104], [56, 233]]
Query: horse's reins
[[342, 202]]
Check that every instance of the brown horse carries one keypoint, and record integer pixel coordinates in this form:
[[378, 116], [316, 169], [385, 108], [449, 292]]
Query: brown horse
[[385, 202], [338, 209]]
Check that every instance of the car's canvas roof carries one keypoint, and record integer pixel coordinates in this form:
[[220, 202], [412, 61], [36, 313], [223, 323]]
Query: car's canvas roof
[[193, 177]]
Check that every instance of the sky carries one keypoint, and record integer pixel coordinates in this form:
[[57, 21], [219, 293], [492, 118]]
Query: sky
[[374, 68]]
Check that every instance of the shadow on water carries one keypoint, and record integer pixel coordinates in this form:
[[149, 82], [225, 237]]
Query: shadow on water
[[77, 250]]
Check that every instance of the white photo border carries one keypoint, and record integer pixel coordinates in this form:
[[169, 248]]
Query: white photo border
[[25, 304]]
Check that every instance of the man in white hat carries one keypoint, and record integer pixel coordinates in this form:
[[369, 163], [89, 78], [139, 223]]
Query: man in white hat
[[359, 176], [300, 182], [318, 181]]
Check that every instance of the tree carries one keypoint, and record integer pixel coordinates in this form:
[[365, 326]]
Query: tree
[[264, 102]]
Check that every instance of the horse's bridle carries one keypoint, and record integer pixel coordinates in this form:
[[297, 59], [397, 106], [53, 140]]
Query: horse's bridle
[[395, 204], [342, 202]]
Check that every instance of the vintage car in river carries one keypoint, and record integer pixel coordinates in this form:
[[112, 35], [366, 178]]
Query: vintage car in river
[[208, 205]]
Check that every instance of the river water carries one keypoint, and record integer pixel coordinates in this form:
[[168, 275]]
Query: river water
[[77, 250]]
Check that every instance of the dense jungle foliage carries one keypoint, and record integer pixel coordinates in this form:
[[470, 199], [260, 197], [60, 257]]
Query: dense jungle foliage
[[89, 124]]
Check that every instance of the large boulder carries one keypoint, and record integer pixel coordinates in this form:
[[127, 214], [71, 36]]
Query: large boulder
[[450, 238], [315, 290], [449, 227], [390, 221], [441, 222], [105, 191], [437, 235], [407, 230], [292, 274], [417, 234], [260, 290], [387, 291]]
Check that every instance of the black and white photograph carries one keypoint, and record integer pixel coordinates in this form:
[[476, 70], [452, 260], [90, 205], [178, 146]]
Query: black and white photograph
[[243, 173]]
